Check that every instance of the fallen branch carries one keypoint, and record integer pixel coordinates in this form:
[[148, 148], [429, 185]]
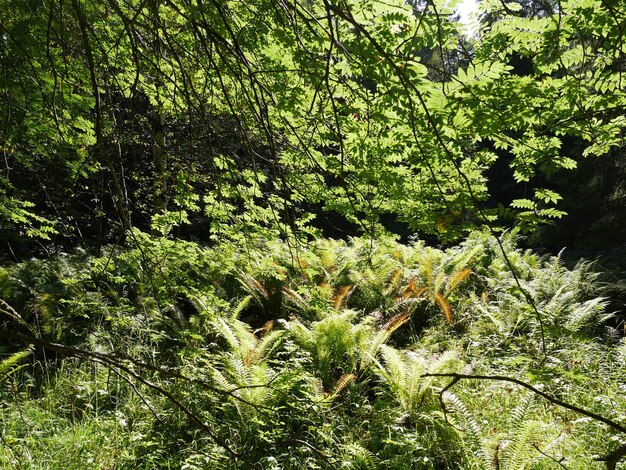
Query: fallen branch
[[611, 459]]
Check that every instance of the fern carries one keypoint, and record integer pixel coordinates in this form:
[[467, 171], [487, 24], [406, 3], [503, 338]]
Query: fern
[[444, 306], [459, 414], [254, 287], [243, 368], [269, 342], [10, 364], [588, 315], [515, 452], [332, 342], [457, 278], [343, 382], [358, 457], [431, 278], [244, 343], [294, 298], [375, 339], [403, 371], [394, 281], [241, 306], [509, 448], [340, 299], [395, 322]]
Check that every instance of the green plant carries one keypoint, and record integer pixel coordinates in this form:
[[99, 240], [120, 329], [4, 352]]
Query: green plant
[[402, 372], [11, 365]]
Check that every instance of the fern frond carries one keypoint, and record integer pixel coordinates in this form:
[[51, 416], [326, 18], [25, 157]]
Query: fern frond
[[490, 452], [421, 291], [468, 254], [343, 382], [342, 296], [368, 354], [519, 454], [9, 364], [394, 362], [269, 343], [404, 370], [267, 326], [410, 288], [443, 362], [457, 278], [226, 330], [220, 380], [460, 415], [588, 314], [393, 281], [241, 306], [328, 259], [444, 306], [427, 267], [519, 413], [238, 369], [301, 333], [295, 298], [396, 322], [412, 291], [439, 281], [10, 311], [254, 287]]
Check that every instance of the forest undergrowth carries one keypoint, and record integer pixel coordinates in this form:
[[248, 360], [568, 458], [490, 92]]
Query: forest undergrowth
[[333, 354]]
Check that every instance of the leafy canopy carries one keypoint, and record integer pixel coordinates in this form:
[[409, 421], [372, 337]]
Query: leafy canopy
[[358, 107]]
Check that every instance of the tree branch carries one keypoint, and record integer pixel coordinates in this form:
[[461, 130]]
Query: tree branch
[[611, 459]]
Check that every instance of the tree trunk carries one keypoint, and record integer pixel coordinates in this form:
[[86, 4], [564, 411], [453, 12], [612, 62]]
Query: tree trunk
[[159, 159]]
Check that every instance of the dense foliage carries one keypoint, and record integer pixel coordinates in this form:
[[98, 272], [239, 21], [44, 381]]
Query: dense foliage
[[174, 172], [239, 115], [309, 357]]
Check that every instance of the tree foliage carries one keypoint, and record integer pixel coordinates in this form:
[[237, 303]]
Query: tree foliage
[[264, 114]]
